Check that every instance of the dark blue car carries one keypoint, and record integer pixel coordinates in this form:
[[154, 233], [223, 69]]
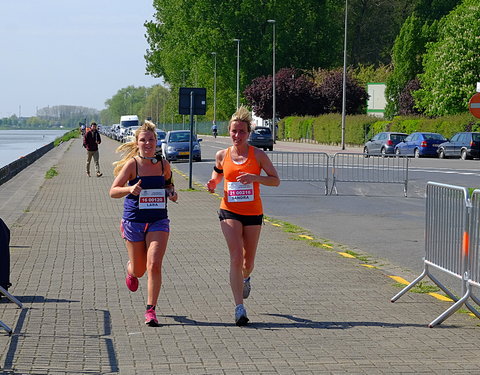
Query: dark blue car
[[465, 145], [420, 144]]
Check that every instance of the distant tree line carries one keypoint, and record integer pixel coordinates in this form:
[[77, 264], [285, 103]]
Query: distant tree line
[[68, 116]]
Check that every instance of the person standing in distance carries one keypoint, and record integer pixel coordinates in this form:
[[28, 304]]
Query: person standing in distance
[[241, 211], [145, 181], [91, 140]]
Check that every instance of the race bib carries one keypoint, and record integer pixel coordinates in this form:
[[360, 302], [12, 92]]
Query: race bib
[[238, 192], [152, 199]]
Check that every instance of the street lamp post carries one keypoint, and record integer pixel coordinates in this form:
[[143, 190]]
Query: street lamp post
[[238, 71], [183, 116], [344, 88], [130, 101], [214, 88], [274, 132]]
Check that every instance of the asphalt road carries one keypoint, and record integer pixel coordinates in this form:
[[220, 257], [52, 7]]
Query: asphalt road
[[371, 218]]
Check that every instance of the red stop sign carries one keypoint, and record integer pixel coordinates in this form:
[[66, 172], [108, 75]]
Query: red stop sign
[[474, 105]]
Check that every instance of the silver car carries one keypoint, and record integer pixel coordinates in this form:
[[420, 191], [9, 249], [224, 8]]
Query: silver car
[[383, 143]]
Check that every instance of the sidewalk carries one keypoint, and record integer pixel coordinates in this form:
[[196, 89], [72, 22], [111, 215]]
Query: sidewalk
[[311, 310]]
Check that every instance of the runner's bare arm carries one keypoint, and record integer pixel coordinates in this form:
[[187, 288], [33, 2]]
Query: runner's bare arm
[[119, 187], [216, 176]]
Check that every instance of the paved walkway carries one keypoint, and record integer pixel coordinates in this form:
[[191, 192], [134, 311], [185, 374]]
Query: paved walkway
[[312, 311]]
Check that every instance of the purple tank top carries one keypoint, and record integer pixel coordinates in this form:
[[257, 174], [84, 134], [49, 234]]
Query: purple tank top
[[131, 209]]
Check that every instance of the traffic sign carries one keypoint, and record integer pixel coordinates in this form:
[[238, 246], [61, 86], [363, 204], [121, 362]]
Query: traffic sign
[[474, 105]]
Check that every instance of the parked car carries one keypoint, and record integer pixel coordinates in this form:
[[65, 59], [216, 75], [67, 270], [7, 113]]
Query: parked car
[[383, 143], [160, 137], [115, 131], [176, 145], [465, 145], [261, 137], [420, 144], [129, 134]]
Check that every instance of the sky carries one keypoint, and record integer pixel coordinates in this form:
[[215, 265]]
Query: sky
[[68, 52]]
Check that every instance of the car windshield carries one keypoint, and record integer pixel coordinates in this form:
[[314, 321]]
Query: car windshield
[[398, 137], [161, 135], [262, 131], [130, 123], [180, 137], [434, 136]]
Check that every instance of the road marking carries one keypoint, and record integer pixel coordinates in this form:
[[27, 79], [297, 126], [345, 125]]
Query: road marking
[[305, 236], [440, 297], [400, 280], [445, 172], [346, 255]]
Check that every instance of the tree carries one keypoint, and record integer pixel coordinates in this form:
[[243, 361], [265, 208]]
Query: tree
[[452, 64], [406, 102], [372, 28], [331, 90], [407, 56], [184, 33], [295, 95], [430, 10], [410, 46]]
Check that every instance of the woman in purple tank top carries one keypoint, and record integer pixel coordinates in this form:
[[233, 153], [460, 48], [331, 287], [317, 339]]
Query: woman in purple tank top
[[145, 181]]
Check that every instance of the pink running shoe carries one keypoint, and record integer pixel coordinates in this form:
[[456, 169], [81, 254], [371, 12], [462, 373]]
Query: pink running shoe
[[132, 283], [151, 318]]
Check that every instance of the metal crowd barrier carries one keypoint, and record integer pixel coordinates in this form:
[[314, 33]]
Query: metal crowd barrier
[[14, 300], [448, 243], [301, 166], [356, 167]]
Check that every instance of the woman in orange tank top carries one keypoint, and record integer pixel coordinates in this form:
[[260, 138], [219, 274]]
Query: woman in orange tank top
[[241, 212]]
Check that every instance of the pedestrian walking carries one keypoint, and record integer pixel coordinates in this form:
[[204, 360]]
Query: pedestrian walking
[[241, 211], [91, 140], [145, 181]]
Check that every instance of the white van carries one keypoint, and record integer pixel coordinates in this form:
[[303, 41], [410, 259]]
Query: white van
[[127, 121]]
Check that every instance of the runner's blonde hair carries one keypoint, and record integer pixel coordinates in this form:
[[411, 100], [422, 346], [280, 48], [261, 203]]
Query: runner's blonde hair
[[242, 115], [130, 149]]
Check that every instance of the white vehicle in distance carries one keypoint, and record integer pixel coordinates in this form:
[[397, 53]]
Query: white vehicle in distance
[[127, 121]]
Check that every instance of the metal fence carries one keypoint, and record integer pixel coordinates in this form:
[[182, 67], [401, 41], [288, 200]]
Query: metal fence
[[357, 167], [474, 245], [449, 220], [301, 166]]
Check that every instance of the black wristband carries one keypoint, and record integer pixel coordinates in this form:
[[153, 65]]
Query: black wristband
[[217, 170]]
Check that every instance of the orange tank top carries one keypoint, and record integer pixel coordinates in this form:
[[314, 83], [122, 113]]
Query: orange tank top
[[238, 198]]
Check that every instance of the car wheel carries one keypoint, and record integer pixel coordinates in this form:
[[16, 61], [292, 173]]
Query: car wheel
[[397, 151], [365, 152], [383, 152], [464, 155], [441, 154], [270, 148], [416, 153]]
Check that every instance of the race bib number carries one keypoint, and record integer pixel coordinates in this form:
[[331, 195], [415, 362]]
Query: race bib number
[[238, 192], [152, 199]]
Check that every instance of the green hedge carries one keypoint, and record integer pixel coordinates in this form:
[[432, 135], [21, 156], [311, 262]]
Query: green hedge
[[327, 129]]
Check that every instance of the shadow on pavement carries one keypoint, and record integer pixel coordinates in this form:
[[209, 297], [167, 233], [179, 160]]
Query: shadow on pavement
[[296, 322]]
